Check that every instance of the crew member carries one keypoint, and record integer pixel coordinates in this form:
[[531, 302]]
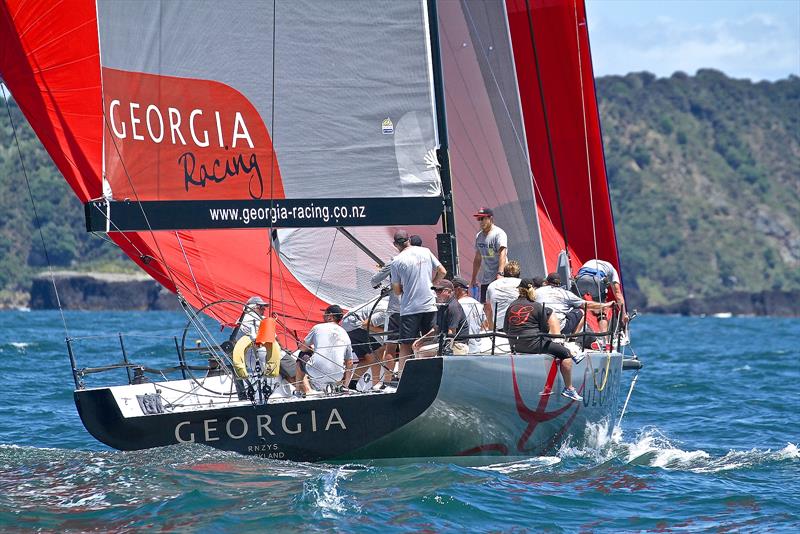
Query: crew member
[[491, 247], [413, 271], [525, 319]]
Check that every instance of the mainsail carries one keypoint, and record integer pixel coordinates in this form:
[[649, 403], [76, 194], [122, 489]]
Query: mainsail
[[221, 145]]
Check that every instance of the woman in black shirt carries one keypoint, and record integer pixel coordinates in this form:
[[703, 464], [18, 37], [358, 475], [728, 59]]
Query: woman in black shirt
[[525, 320]]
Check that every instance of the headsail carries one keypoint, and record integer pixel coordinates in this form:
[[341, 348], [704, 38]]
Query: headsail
[[317, 114], [556, 81]]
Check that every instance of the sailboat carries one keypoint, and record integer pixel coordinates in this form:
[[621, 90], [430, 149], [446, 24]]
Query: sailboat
[[273, 149]]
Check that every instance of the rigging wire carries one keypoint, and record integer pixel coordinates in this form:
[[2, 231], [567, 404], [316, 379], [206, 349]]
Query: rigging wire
[[139, 202], [322, 276], [191, 271], [473, 107], [547, 127], [124, 235], [35, 212], [585, 129], [506, 107], [272, 154]]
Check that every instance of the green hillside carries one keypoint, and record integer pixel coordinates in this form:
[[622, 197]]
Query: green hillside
[[60, 215], [704, 172], [705, 182]]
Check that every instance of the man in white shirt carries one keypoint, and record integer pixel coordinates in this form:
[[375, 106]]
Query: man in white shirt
[[359, 324], [414, 270], [252, 315], [326, 354], [595, 277], [500, 294], [567, 306], [491, 252], [476, 317]]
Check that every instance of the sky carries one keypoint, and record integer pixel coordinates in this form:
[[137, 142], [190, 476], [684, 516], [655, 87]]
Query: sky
[[755, 39]]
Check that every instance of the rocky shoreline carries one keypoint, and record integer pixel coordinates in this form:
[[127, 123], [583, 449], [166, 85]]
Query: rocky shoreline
[[103, 291], [773, 303], [100, 291]]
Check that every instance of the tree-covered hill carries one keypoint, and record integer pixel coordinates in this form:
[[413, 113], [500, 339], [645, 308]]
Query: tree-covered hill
[[705, 182], [60, 215], [704, 172]]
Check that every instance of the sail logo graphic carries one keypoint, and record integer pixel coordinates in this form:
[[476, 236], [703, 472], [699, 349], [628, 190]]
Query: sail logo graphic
[[170, 138], [154, 124], [236, 428], [387, 127]]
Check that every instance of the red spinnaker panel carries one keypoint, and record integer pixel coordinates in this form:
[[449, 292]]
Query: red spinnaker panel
[[49, 60], [558, 30]]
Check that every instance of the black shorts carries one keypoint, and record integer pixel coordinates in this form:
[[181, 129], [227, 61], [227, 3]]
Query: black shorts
[[557, 350], [302, 359], [415, 326], [394, 326], [362, 342], [484, 288], [573, 318]]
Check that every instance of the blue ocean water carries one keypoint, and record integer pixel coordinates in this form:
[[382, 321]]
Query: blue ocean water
[[709, 442]]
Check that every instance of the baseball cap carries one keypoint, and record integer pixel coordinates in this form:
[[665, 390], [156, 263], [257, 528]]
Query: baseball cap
[[256, 301], [400, 236], [538, 281], [484, 212], [334, 309], [554, 279], [460, 282], [443, 284], [415, 240], [526, 283]]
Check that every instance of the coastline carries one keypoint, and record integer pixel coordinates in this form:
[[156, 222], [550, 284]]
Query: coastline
[[99, 292], [138, 292]]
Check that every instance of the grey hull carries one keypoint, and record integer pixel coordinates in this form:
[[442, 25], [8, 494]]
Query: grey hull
[[499, 406], [454, 406]]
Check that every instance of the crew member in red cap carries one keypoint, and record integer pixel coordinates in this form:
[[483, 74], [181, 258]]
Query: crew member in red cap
[[491, 252]]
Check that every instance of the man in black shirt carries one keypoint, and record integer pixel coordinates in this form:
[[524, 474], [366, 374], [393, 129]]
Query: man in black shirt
[[450, 318], [525, 318]]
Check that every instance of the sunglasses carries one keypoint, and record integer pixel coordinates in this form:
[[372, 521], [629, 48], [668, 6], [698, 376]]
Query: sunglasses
[[440, 289]]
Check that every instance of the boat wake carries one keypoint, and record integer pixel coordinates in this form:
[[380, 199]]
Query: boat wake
[[652, 448], [323, 495]]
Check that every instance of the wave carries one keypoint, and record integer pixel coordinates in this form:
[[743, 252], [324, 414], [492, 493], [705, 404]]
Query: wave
[[323, 495], [603, 444], [652, 448]]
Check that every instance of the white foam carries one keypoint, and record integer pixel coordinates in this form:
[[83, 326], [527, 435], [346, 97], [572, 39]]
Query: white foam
[[19, 345], [654, 449], [521, 465], [789, 452], [323, 492], [89, 501], [745, 367]]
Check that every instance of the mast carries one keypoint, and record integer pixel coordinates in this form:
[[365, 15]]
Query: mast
[[447, 248]]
